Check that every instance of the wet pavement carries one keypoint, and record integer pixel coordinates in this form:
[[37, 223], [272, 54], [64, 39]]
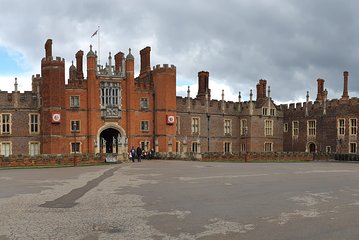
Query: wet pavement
[[182, 200]]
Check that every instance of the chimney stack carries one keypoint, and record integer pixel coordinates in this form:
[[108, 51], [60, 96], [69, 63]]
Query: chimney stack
[[203, 85], [145, 60], [345, 90], [320, 94], [48, 49], [79, 64]]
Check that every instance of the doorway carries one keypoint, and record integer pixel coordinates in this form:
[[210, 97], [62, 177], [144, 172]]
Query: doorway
[[312, 147], [109, 139]]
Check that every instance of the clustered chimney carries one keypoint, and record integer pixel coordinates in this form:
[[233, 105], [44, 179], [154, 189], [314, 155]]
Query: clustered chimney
[[118, 61], [79, 60], [320, 94], [261, 89], [145, 60], [203, 85]]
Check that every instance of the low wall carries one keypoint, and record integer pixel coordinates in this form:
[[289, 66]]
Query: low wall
[[68, 159], [249, 157], [51, 160]]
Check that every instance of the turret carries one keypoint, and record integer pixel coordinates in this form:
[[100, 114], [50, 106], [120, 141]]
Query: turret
[[93, 101], [203, 88], [53, 107], [164, 77]]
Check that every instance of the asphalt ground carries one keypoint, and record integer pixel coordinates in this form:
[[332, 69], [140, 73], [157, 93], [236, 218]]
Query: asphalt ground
[[182, 200]]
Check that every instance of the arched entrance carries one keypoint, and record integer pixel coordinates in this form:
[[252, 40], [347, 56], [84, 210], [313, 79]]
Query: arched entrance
[[312, 147], [109, 140]]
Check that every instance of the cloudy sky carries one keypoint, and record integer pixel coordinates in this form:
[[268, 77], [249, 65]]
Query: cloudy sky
[[290, 43]]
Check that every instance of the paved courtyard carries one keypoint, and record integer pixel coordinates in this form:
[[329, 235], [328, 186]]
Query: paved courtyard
[[182, 200]]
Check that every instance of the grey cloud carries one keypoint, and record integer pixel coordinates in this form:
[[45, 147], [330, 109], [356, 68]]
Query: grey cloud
[[289, 43]]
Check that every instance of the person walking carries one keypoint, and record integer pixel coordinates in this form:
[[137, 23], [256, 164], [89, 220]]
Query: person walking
[[133, 154], [139, 153]]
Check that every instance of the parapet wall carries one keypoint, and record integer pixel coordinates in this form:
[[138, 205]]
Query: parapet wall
[[24, 100], [250, 157], [51, 160], [214, 106]]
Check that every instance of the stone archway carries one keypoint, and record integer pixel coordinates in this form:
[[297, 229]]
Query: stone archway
[[112, 140], [312, 147], [109, 139]]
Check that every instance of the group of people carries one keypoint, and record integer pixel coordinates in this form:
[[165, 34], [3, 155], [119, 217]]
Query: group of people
[[140, 153]]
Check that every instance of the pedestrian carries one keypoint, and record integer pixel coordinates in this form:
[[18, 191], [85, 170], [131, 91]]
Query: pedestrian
[[152, 153], [132, 153], [139, 153]]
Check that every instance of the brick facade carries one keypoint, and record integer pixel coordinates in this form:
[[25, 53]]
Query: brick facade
[[112, 110]]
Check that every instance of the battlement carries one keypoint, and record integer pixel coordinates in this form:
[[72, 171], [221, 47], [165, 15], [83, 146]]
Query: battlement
[[11, 100], [199, 105], [50, 60], [164, 67]]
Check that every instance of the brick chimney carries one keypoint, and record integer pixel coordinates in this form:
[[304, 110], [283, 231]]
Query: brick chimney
[[48, 48], [261, 89], [345, 89], [320, 94], [145, 60], [79, 64], [203, 77]]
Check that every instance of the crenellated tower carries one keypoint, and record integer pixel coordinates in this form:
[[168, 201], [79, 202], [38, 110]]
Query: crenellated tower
[[53, 112], [164, 81]]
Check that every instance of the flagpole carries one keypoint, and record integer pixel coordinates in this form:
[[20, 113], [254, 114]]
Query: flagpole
[[98, 43]]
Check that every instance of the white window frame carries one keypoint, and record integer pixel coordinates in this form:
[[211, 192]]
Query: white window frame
[[227, 125], [265, 111], [144, 103], [341, 126], [227, 147], [312, 128], [32, 124], [144, 126], [353, 126], [351, 149], [9, 123], [268, 147], [268, 127], [78, 125], [195, 125], [295, 128], [31, 153], [243, 147], [7, 154], [195, 147], [243, 127], [79, 146], [74, 101]]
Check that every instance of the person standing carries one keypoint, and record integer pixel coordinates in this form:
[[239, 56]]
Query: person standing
[[139, 153]]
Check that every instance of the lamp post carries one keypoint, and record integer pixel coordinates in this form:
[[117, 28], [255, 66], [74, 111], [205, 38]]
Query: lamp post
[[245, 135], [75, 145]]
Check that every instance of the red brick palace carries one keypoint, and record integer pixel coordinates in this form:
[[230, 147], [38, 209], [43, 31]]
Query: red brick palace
[[110, 110]]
